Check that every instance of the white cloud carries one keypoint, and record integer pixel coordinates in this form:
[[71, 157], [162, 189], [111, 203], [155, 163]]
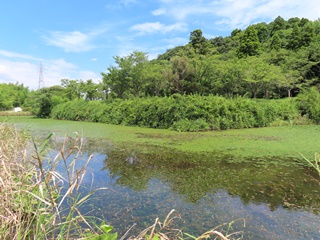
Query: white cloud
[[119, 4], [19, 71], [76, 41], [26, 70], [240, 13], [85, 75], [157, 27], [5, 53], [159, 12], [176, 41], [70, 41], [128, 2]]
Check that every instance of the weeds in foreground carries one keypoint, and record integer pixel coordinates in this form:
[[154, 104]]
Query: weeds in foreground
[[38, 201], [314, 164], [164, 231]]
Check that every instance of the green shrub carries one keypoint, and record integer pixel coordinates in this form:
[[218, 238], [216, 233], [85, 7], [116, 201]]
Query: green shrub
[[309, 104], [185, 125], [182, 113]]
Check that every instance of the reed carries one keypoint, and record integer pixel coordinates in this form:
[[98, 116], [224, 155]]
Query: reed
[[36, 200]]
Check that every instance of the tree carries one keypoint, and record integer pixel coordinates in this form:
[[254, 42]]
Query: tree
[[89, 90], [303, 22], [260, 77], [278, 24], [182, 80], [249, 44], [275, 43], [231, 75], [295, 38], [293, 21], [72, 88], [12, 95], [45, 106], [125, 79], [198, 42], [156, 84], [307, 34], [224, 45], [289, 81], [204, 75], [235, 32], [262, 32]]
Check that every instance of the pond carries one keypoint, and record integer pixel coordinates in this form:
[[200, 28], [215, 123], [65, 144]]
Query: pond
[[276, 198]]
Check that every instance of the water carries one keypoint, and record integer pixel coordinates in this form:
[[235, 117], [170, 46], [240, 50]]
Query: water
[[275, 198]]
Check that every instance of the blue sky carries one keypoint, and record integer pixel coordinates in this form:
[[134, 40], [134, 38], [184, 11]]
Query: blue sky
[[77, 39]]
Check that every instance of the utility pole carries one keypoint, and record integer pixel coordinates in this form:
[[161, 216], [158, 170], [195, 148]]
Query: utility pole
[[41, 82]]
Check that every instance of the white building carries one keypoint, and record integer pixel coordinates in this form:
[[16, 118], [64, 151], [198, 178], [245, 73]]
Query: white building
[[17, 109]]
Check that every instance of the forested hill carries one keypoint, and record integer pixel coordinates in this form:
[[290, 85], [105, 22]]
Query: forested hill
[[272, 60]]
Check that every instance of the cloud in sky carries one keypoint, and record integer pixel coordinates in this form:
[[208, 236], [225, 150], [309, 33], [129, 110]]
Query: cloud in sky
[[5, 53], [113, 5], [157, 27], [69, 41], [15, 67], [158, 12], [240, 13], [128, 2]]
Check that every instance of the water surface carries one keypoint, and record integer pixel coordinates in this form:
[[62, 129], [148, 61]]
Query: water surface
[[278, 198]]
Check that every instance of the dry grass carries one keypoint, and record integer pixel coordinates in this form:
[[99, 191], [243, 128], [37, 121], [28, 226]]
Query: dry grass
[[12, 113], [36, 201], [14, 179]]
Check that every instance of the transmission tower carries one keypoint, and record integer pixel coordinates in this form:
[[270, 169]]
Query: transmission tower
[[41, 82]]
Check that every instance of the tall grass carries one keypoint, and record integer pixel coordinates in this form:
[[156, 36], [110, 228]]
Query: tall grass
[[12, 113], [36, 201], [315, 164]]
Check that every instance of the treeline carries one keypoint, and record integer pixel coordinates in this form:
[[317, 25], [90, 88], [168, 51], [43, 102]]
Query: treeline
[[12, 95], [272, 60]]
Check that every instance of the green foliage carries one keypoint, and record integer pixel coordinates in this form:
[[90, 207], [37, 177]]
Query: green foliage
[[250, 44], [41, 102], [126, 79], [185, 125], [12, 95], [262, 31], [180, 112], [45, 105], [218, 65], [295, 38], [309, 103], [275, 43], [106, 235], [198, 42], [278, 24]]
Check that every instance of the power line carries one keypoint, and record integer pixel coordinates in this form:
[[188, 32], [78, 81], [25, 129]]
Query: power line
[[41, 81]]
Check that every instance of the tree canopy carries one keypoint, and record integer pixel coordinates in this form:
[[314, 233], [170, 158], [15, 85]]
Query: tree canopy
[[264, 60]]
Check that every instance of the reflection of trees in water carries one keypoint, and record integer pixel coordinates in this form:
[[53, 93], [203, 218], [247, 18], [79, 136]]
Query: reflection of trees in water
[[197, 175]]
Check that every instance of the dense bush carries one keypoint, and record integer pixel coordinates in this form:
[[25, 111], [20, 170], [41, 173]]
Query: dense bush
[[309, 104], [181, 113]]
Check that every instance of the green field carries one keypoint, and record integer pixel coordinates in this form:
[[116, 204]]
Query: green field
[[287, 141]]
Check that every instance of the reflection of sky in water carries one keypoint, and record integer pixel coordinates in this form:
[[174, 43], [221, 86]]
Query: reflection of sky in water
[[122, 206]]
